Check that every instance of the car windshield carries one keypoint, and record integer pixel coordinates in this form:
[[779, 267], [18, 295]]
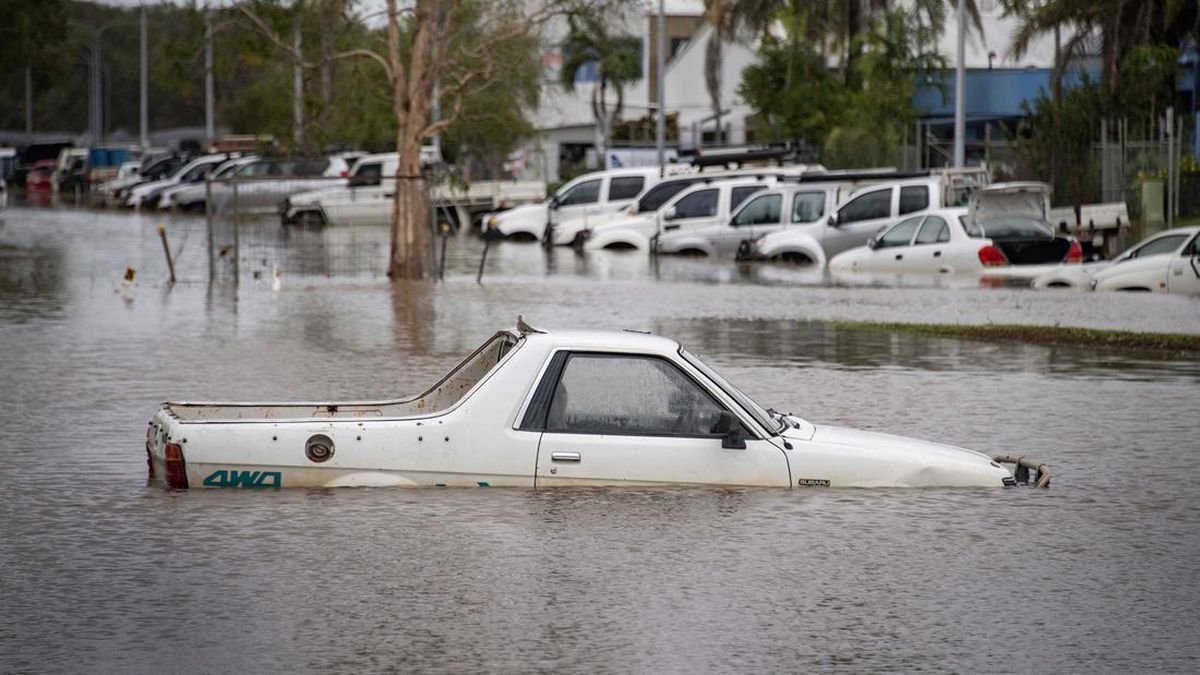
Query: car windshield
[[761, 415], [1015, 227]]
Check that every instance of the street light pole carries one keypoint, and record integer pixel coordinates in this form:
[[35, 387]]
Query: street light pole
[[960, 104], [661, 132], [144, 111], [209, 96]]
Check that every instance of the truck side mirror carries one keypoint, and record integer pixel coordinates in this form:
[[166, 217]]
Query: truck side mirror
[[670, 214], [833, 220], [732, 437], [872, 243]]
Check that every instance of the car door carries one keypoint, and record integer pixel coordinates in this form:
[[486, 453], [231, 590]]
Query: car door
[[633, 419], [1184, 275], [930, 248], [577, 201], [691, 210], [858, 220], [761, 211], [726, 237], [893, 249]]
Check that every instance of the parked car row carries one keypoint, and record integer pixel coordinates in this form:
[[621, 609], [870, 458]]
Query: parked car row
[[182, 182], [851, 224]]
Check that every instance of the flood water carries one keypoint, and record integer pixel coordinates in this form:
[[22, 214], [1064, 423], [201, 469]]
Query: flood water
[[102, 573]]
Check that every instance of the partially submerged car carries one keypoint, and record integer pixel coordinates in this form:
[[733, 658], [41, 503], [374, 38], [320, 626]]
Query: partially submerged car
[[1168, 262], [540, 409], [947, 241]]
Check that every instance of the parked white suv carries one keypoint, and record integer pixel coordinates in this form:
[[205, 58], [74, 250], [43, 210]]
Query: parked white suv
[[782, 206], [586, 196], [699, 206], [864, 213]]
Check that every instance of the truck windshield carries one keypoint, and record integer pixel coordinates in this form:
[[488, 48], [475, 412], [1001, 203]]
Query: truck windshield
[[748, 404]]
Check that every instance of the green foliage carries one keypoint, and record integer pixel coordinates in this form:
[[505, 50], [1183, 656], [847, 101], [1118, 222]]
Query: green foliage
[[801, 98], [618, 58], [1055, 141]]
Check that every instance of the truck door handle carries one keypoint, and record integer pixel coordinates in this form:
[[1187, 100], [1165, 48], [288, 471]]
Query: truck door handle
[[564, 457], [937, 254], [899, 256]]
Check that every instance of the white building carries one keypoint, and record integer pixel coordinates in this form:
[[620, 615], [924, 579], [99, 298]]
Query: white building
[[568, 127]]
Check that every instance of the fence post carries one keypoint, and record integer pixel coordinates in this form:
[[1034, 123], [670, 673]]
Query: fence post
[[208, 217], [237, 246]]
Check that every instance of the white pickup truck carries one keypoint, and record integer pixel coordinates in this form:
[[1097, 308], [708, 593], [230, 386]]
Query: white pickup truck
[[701, 206], [367, 197], [867, 210], [588, 196], [784, 205], [534, 408]]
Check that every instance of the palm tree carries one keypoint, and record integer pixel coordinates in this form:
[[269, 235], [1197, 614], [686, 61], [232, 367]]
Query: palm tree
[[618, 63], [1120, 26]]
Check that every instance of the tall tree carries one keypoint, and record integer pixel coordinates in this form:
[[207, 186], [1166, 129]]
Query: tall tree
[[1119, 26], [453, 47]]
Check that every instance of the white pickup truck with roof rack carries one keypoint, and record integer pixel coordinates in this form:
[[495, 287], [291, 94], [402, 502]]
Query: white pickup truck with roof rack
[[795, 201], [865, 212], [700, 206], [585, 197]]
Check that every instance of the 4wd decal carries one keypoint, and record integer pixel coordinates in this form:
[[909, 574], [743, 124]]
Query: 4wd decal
[[812, 482], [246, 479]]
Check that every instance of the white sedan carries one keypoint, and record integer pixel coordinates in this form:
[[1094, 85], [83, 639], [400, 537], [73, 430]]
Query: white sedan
[[1168, 262], [944, 241], [541, 409]]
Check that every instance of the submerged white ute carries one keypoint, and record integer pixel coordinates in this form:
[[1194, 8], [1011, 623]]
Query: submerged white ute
[[536, 408]]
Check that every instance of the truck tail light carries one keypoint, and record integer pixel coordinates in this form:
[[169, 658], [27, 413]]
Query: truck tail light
[[1075, 253], [991, 256], [176, 467]]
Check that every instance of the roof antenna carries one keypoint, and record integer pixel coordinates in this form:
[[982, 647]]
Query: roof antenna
[[524, 328]]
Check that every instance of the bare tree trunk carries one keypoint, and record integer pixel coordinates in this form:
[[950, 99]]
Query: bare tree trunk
[[412, 89]]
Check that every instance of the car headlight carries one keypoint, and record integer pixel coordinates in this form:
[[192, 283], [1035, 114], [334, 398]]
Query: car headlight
[[492, 221]]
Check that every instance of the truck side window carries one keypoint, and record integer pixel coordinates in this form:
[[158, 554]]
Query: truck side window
[[760, 210], [808, 207], [587, 192], [618, 394], [913, 198], [660, 194], [870, 206], [699, 204], [741, 193], [625, 187]]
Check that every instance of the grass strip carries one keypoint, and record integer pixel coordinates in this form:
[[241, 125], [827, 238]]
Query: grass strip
[[1181, 344]]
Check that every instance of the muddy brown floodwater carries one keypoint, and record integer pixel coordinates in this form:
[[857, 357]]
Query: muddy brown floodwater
[[102, 573]]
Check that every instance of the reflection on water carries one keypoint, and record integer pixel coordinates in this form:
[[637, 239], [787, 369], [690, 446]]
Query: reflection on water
[[103, 573]]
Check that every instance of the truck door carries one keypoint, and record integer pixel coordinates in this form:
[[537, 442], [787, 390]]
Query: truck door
[[1184, 275], [858, 220], [634, 419]]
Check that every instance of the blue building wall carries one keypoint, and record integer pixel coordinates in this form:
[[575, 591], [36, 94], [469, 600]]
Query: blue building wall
[[991, 94]]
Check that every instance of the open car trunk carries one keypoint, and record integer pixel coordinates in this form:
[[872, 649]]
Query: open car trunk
[[1034, 251]]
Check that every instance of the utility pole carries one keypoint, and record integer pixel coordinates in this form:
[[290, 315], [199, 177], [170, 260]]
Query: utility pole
[[97, 91], [209, 119], [29, 103], [661, 132], [960, 104], [144, 112], [297, 88]]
